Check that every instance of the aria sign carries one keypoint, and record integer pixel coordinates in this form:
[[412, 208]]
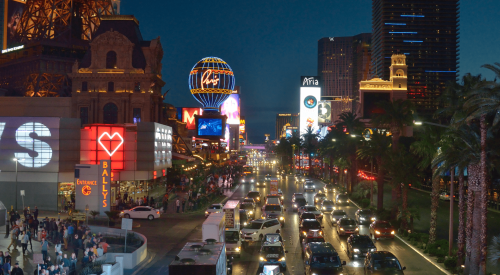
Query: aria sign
[[308, 81]]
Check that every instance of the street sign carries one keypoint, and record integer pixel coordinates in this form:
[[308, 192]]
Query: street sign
[[22, 192], [127, 224]]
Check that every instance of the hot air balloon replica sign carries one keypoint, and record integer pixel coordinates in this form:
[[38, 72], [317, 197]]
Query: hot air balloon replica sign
[[211, 82]]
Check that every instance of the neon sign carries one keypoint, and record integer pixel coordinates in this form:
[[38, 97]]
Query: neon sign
[[104, 181], [86, 190], [110, 138], [103, 142], [205, 80]]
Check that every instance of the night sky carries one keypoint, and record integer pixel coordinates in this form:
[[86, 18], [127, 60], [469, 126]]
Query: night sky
[[270, 44]]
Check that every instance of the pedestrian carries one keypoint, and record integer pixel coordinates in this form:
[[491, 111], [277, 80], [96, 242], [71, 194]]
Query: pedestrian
[[6, 267], [65, 238], [72, 263], [76, 245], [152, 202], [13, 238], [66, 264], [165, 203], [24, 242], [25, 213], [177, 203], [59, 258], [16, 270], [45, 246], [183, 204], [2, 259]]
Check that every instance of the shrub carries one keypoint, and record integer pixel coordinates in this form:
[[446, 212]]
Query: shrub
[[440, 259], [450, 263], [364, 203]]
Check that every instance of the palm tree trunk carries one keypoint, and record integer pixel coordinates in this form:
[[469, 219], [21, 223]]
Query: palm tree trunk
[[310, 165], [380, 184], [473, 221], [434, 207], [483, 203], [461, 218], [468, 230], [331, 169], [404, 221]]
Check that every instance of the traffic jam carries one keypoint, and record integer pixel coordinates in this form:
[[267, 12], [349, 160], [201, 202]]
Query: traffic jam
[[331, 241]]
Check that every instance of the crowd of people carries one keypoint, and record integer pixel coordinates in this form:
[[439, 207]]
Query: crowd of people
[[59, 234]]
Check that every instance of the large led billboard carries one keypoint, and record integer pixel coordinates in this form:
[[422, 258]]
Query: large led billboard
[[103, 142], [188, 117], [231, 108], [12, 22], [309, 97], [211, 127], [324, 112]]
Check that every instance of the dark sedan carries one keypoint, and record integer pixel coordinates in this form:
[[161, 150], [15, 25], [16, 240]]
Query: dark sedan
[[359, 246]]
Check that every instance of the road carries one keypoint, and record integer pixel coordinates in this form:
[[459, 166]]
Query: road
[[167, 235]]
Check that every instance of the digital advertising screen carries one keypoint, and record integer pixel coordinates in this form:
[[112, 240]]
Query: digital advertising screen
[[188, 117], [14, 13], [210, 127], [231, 108], [309, 99], [324, 112]]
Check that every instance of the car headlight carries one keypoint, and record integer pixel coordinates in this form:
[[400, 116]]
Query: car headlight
[[333, 219], [357, 228], [251, 212], [316, 199], [361, 218], [356, 250], [324, 208], [341, 229], [377, 232], [282, 259], [339, 201], [373, 219], [252, 180], [373, 249], [243, 180], [282, 198], [237, 249], [245, 224], [206, 212], [258, 198], [304, 232], [295, 205], [282, 218], [393, 232], [262, 259]]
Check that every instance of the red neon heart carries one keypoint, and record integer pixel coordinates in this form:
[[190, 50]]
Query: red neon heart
[[110, 138]]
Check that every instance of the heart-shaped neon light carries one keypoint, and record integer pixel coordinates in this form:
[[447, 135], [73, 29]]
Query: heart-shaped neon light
[[110, 138]]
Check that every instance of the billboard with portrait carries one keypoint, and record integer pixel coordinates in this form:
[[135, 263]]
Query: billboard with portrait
[[13, 15], [324, 112], [231, 108], [309, 97], [212, 127], [188, 117]]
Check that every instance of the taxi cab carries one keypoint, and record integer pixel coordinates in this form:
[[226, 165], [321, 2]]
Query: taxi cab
[[272, 252], [313, 236]]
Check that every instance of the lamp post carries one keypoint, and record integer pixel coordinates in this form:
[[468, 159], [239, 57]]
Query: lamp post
[[16, 160], [86, 215]]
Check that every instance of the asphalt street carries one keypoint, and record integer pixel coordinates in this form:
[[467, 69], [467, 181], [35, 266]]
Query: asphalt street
[[167, 235]]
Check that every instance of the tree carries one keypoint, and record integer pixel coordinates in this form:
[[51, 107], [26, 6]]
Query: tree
[[309, 143], [377, 148], [426, 147]]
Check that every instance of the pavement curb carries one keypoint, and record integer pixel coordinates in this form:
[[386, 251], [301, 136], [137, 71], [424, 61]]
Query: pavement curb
[[415, 249]]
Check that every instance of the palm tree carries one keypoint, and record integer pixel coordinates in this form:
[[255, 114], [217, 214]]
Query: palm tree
[[349, 127], [484, 100], [427, 147], [377, 148], [309, 143], [397, 114]]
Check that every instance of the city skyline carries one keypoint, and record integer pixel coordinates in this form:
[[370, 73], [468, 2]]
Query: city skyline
[[269, 63]]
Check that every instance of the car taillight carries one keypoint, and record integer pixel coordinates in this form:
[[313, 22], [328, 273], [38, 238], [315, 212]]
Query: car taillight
[[158, 212]]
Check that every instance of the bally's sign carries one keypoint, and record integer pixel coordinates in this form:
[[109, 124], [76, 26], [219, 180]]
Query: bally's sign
[[310, 81]]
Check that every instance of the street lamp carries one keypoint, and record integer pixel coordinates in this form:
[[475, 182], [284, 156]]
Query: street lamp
[[16, 160], [86, 216]]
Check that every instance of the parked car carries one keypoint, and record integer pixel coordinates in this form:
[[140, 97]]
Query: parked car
[[382, 229], [359, 245], [141, 212], [347, 226], [214, 208], [382, 262]]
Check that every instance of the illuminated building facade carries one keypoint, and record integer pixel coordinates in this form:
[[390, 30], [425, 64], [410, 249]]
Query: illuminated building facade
[[342, 63], [119, 78], [376, 89], [282, 120], [427, 33]]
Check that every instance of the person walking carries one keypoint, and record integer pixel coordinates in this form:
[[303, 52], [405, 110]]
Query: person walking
[[65, 264], [45, 247], [13, 238], [65, 238], [76, 245], [177, 203], [165, 203], [183, 204], [24, 242]]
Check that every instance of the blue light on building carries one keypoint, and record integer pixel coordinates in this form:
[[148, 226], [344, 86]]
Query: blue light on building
[[413, 41], [411, 15], [404, 32], [397, 24]]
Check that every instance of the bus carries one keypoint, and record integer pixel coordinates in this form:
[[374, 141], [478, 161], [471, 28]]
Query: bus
[[247, 170]]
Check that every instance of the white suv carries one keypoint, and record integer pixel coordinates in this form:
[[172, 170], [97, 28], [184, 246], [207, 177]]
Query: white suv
[[257, 229]]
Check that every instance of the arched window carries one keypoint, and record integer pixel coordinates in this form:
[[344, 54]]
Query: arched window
[[400, 73], [111, 60], [110, 114]]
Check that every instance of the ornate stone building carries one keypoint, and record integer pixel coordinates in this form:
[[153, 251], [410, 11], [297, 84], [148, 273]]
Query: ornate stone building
[[119, 78]]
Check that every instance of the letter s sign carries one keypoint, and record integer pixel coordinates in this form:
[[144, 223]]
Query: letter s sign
[[26, 136]]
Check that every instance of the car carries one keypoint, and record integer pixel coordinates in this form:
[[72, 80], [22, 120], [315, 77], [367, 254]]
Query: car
[[342, 199], [313, 209], [327, 206], [347, 226], [274, 198], [249, 200], [382, 229], [297, 195], [272, 252], [255, 195], [445, 196], [267, 177], [322, 258], [298, 202], [337, 215], [250, 179], [141, 212], [306, 215], [313, 236], [260, 183], [382, 262], [273, 211], [244, 218], [249, 208], [214, 208], [329, 188], [309, 186], [359, 245], [280, 193], [364, 216], [308, 224], [299, 179], [256, 230], [319, 197]]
